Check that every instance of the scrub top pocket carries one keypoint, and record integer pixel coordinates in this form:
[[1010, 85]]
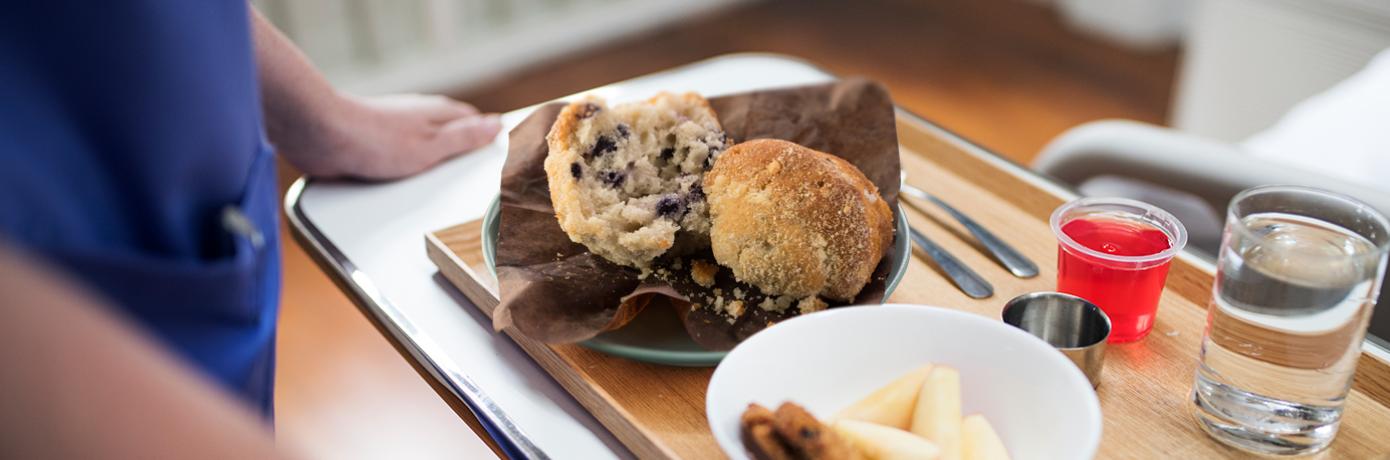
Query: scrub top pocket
[[226, 290]]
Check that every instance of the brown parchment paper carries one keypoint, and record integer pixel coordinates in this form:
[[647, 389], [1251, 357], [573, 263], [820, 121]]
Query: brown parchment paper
[[554, 290]]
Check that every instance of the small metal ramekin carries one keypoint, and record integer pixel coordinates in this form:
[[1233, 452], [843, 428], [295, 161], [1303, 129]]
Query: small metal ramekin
[[1074, 326]]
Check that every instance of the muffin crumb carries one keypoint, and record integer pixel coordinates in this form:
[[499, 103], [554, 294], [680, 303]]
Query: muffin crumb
[[811, 304], [734, 308], [703, 272]]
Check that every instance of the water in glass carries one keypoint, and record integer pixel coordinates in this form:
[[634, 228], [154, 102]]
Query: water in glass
[[1284, 329]]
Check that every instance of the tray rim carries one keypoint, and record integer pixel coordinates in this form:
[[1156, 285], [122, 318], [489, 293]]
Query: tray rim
[[507, 438]]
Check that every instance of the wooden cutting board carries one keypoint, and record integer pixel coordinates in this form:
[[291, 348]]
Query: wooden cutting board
[[658, 411]]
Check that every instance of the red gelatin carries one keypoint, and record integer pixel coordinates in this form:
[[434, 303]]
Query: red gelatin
[[1127, 293]]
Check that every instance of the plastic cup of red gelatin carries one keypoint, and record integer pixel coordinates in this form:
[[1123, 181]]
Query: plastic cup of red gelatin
[[1115, 252]]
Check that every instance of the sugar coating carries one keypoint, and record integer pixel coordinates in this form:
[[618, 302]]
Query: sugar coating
[[626, 181]]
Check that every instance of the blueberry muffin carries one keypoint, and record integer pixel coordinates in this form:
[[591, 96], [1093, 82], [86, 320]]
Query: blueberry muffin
[[796, 222], [626, 181]]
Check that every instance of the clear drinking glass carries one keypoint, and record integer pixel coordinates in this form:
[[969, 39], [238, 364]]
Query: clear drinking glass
[[1298, 276]]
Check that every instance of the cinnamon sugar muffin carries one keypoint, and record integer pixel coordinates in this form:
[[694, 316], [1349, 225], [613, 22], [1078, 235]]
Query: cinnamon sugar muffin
[[626, 182], [794, 221]]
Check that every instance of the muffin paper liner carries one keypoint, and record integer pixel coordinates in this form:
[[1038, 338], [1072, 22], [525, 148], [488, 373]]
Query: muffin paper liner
[[556, 291]]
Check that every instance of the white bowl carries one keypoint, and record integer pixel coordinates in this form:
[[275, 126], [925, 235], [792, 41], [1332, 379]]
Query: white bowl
[[1039, 402]]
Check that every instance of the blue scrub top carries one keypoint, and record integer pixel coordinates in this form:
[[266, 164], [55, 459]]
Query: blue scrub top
[[133, 158]]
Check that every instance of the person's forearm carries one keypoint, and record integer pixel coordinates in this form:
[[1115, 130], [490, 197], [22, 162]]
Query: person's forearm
[[295, 98], [78, 383], [324, 132]]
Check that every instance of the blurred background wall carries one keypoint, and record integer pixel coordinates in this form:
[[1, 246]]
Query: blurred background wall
[[1247, 62], [385, 46]]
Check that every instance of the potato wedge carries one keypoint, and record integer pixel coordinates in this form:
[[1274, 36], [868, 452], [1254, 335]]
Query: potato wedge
[[880, 442], [937, 415], [979, 441], [891, 404]]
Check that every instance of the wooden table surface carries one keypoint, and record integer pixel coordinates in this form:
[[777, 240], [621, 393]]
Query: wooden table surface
[[658, 411]]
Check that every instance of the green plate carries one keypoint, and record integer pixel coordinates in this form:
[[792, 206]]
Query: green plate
[[659, 337]]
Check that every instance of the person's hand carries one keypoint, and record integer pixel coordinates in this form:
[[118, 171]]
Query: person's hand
[[386, 137]]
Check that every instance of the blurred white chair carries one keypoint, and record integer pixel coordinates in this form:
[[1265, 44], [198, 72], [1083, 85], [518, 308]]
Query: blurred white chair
[[1338, 140], [1191, 176]]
